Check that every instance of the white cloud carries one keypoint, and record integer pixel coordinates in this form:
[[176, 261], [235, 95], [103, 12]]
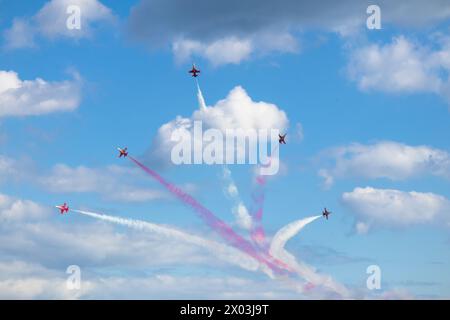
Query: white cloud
[[31, 281], [8, 169], [361, 227], [233, 50], [223, 51], [35, 97], [24, 280], [385, 159], [34, 255], [236, 111], [239, 111], [394, 208], [136, 194], [38, 234], [402, 66], [80, 179], [12, 209], [263, 26], [51, 19], [299, 132], [108, 181], [20, 35], [397, 294], [51, 22], [112, 182], [169, 286], [243, 217], [328, 179]]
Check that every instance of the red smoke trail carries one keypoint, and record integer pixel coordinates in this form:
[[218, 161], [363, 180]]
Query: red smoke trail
[[257, 233], [214, 222]]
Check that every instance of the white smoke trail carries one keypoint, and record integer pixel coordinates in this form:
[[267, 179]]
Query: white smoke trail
[[287, 232], [224, 252], [201, 100], [240, 211], [307, 272]]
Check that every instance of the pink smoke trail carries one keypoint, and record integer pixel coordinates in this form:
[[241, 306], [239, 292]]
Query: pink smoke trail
[[257, 234], [214, 222]]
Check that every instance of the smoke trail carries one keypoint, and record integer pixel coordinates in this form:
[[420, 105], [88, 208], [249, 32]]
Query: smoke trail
[[278, 251], [257, 233], [287, 232], [201, 100], [242, 216], [224, 252], [214, 222]]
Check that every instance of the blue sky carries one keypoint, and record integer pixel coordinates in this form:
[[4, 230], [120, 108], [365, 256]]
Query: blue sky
[[374, 146]]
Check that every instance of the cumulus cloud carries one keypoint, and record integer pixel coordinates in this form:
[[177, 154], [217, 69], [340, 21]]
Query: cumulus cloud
[[236, 111], [393, 208], [168, 286], [38, 234], [51, 22], [35, 97], [57, 244], [232, 50], [8, 169], [20, 35], [35, 254], [386, 159], [402, 66], [24, 280], [36, 249], [31, 281], [223, 51], [239, 111], [12, 209], [108, 181], [253, 27], [112, 182]]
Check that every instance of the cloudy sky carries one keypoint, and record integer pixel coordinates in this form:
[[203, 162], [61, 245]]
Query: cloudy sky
[[366, 111]]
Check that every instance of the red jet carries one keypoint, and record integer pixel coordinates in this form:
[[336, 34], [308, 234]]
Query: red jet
[[194, 71], [63, 208], [281, 138], [326, 213], [123, 152]]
